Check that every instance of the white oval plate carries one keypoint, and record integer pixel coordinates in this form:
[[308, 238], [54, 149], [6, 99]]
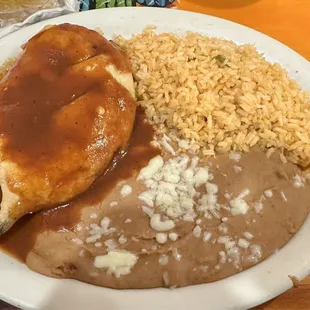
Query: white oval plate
[[26, 289]]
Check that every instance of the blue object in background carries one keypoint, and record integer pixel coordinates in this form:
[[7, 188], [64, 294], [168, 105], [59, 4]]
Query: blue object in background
[[149, 2], [87, 5], [93, 4], [157, 3], [163, 3]]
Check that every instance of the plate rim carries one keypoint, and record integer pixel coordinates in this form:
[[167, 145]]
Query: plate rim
[[230, 282]]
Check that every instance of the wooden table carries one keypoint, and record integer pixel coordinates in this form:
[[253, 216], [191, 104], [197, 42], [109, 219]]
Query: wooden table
[[289, 22]]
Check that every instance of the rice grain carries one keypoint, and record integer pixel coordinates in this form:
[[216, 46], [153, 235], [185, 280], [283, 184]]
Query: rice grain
[[218, 95]]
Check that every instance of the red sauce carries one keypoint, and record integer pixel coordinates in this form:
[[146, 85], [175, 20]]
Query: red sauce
[[49, 76], [19, 240], [63, 117]]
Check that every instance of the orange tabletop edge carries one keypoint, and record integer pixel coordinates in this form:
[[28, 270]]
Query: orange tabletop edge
[[285, 20]]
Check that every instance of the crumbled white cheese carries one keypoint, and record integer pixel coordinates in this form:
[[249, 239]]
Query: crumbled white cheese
[[163, 259], [176, 255], [153, 166], [157, 224], [237, 169], [78, 227], [223, 257], [298, 181], [224, 219], [97, 230], [235, 156], [258, 207], [113, 204], [197, 231], [230, 246], [268, 193], [126, 190], [238, 206], [172, 184], [222, 239], [164, 142], [201, 176], [116, 262], [198, 222], [211, 176], [248, 235], [242, 243], [208, 202], [166, 278], [194, 162], [211, 199], [173, 236], [110, 244], [206, 236], [256, 250], [148, 197], [94, 226], [223, 228], [161, 238], [98, 244], [189, 217], [244, 193], [148, 211], [188, 175], [77, 241], [227, 196], [92, 239], [127, 221], [212, 188], [256, 253], [105, 222], [283, 196], [122, 239]]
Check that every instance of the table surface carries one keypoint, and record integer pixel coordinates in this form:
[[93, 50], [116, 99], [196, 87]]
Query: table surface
[[287, 21]]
